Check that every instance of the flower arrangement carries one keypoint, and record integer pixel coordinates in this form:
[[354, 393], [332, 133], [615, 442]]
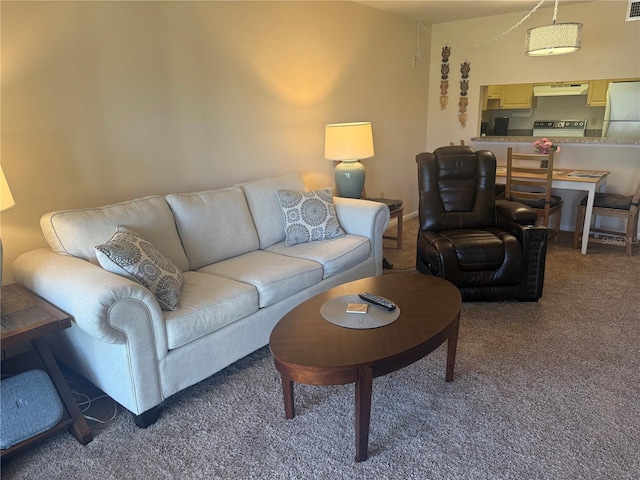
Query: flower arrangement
[[544, 145]]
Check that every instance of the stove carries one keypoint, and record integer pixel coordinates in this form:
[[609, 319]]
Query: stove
[[559, 128]]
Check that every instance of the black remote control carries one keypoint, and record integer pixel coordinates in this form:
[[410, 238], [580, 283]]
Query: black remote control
[[377, 300]]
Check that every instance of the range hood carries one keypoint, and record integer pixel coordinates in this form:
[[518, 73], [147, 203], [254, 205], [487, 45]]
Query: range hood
[[560, 89]]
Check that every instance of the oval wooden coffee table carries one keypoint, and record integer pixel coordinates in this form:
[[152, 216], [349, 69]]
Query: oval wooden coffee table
[[309, 349]]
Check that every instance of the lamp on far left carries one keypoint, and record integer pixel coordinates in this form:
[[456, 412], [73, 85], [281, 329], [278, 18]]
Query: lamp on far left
[[6, 202], [349, 142]]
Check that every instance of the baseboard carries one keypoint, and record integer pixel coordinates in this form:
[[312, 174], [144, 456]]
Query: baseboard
[[406, 217]]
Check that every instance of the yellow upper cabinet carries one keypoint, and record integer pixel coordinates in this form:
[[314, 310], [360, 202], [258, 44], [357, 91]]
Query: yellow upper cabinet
[[490, 96], [597, 95], [517, 96], [494, 92], [508, 96]]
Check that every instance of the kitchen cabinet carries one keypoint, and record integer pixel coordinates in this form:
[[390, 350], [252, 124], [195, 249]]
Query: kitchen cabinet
[[517, 96], [508, 96], [489, 103], [597, 95], [494, 92], [491, 98]]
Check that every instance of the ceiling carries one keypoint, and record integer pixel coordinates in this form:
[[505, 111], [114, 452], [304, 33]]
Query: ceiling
[[436, 11]]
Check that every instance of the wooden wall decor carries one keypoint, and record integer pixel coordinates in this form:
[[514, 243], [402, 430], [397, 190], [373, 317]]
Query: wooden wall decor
[[444, 77], [465, 68]]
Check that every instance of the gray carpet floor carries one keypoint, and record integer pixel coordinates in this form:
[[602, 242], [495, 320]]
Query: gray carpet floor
[[546, 390]]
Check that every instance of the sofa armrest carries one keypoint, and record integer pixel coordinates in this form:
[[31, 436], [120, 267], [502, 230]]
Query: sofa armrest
[[520, 220], [107, 306], [366, 218], [515, 212], [436, 256]]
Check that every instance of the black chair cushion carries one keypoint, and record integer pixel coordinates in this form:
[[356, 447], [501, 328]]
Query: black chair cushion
[[476, 250], [610, 200], [475, 258], [555, 200]]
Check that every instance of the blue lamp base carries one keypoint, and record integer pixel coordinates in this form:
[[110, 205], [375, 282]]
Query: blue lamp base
[[349, 178]]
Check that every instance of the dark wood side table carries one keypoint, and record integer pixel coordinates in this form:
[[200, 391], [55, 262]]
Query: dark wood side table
[[396, 210], [397, 213], [27, 318]]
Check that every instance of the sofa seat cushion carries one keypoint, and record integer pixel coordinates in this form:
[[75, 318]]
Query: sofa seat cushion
[[276, 277], [335, 255], [208, 303], [214, 225]]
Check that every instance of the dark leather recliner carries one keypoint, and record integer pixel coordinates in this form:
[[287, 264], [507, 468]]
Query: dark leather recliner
[[491, 250]]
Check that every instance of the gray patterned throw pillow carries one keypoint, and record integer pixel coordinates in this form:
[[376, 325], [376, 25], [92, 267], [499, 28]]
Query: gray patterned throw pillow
[[309, 216], [127, 254]]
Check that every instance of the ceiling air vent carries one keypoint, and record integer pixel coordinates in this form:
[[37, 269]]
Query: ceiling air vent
[[633, 11]]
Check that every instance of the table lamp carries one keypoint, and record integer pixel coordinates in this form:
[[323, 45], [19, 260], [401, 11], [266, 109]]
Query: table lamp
[[349, 142], [6, 202]]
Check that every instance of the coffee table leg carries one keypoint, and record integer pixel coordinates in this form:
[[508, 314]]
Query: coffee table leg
[[452, 345], [287, 391], [364, 387]]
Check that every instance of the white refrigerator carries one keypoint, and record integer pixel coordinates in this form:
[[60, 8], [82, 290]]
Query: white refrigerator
[[622, 112]]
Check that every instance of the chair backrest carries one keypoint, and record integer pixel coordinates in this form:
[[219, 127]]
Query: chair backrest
[[456, 187], [636, 196], [528, 178]]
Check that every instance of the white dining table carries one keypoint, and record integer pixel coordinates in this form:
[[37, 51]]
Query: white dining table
[[591, 181]]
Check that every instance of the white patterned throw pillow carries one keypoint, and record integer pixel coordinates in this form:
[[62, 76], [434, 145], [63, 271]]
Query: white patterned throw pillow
[[309, 216], [129, 255]]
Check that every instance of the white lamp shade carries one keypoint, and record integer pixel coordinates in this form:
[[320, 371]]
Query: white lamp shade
[[554, 39], [348, 141], [6, 199]]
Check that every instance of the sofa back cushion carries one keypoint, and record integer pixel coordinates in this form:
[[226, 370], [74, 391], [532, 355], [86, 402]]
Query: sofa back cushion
[[265, 206], [77, 232], [214, 225]]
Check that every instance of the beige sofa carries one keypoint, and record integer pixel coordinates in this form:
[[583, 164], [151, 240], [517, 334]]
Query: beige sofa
[[238, 278]]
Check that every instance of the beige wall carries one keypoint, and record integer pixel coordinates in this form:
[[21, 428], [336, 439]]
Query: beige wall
[[103, 102], [610, 49]]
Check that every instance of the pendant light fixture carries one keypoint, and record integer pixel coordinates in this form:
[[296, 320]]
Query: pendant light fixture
[[554, 39]]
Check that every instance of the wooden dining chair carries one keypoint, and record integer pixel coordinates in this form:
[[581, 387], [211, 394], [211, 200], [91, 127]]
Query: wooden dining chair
[[612, 205], [529, 178]]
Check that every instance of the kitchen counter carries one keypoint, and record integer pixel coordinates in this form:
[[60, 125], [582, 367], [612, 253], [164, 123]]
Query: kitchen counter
[[561, 140]]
